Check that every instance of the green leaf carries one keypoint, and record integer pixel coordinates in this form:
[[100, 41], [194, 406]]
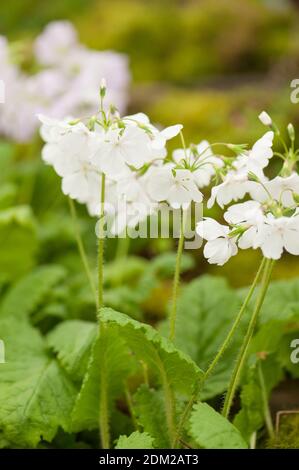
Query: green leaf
[[7, 195], [148, 405], [210, 430], [109, 365], [206, 310], [18, 242], [126, 298], [136, 440], [72, 341], [160, 355], [281, 301], [36, 395], [31, 291]]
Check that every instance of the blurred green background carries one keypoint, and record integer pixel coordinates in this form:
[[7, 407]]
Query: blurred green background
[[212, 65]]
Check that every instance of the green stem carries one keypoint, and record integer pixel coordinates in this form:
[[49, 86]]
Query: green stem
[[266, 410], [81, 249], [104, 408], [220, 353], [235, 325], [169, 405], [176, 280], [245, 345], [101, 242], [130, 406], [123, 245]]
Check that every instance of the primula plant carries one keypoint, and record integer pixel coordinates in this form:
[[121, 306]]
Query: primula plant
[[122, 381]]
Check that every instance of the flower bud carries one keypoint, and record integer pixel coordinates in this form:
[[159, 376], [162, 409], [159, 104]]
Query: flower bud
[[237, 148], [291, 131], [265, 119], [103, 88], [253, 177]]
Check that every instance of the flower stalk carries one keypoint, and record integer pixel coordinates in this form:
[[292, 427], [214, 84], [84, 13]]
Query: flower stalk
[[246, 342], [104, 408], [198, 387], [176, 280], [266, 409], [101, 244]]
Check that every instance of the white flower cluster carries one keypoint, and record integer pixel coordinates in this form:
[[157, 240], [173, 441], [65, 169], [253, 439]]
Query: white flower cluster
[[269, 218], [64, 82], [131, 153]]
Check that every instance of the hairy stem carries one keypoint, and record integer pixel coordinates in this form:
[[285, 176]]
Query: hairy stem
[[235, 324], [169, 405], [101, 242], [245, 345], [266, 409], [176, 280], [104, 405], [220, 353], [81, 249]]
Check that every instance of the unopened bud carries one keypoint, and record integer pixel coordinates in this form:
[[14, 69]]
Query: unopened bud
[[103, 88], [291, 131], [237, 148], [253, 177], [265, 119]]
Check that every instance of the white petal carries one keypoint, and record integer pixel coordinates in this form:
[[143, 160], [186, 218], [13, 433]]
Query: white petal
[[210, 229]]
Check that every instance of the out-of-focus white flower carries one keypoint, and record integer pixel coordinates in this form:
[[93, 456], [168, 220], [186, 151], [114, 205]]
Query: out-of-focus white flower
[[220, 247], [277, 234], [203, 159], [176, 186], [265, 118], [66, 83], [52, 46]]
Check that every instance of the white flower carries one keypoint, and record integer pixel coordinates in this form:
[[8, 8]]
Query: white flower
[[282, 189], [249, 216], [265, 119], [52, 130], [277, 234], [220, 247], [66, 83], [236, 183], [233, 188], [205, 161], [158, 138], [258, 157], [136, 144], [118, 149], [249, 212], [261, 151], [132, 204], [176, 186], [70, 151]]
